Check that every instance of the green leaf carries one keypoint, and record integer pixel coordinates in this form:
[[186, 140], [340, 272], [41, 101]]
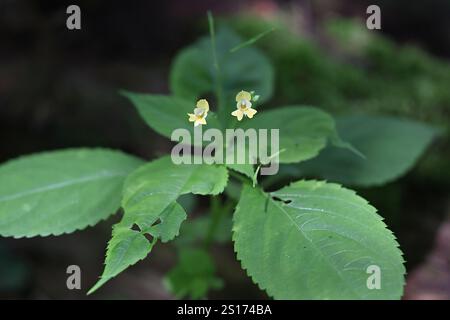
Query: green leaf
[[315, 240], [303, 131], [391, 147], [154, 186], [59, 192], [245, 168], [164, 114], [193, 74], [149, 202], [171, 219], [126, 247], [193, 276]]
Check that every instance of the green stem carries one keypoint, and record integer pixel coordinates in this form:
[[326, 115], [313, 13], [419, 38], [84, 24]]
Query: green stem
[[251, 41], [218, 211], [218, 82], [238, 176], [216, 216]]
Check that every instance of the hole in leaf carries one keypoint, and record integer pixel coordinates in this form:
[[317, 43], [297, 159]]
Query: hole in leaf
[[287, 201], [148, 236], [135, 227]]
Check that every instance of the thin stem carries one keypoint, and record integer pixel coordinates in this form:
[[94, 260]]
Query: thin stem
[[218, 82], [238, 176], [219, 210], [251, 41], [216, 216], [212, 34], [255, 176]]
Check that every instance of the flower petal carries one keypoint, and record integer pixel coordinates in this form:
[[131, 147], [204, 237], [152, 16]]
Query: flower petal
[[250, 112], [203, 104], [243, 95], [238, 114], [199, 112]]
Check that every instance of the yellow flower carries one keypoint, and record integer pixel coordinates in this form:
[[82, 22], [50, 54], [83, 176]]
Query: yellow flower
[[244, 106], [200, 113]]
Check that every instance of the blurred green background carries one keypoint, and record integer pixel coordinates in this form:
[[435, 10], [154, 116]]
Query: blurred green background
[[58, 89]]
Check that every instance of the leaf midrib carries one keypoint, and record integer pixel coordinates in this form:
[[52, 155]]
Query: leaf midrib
[[315, 247], [64, 184]]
